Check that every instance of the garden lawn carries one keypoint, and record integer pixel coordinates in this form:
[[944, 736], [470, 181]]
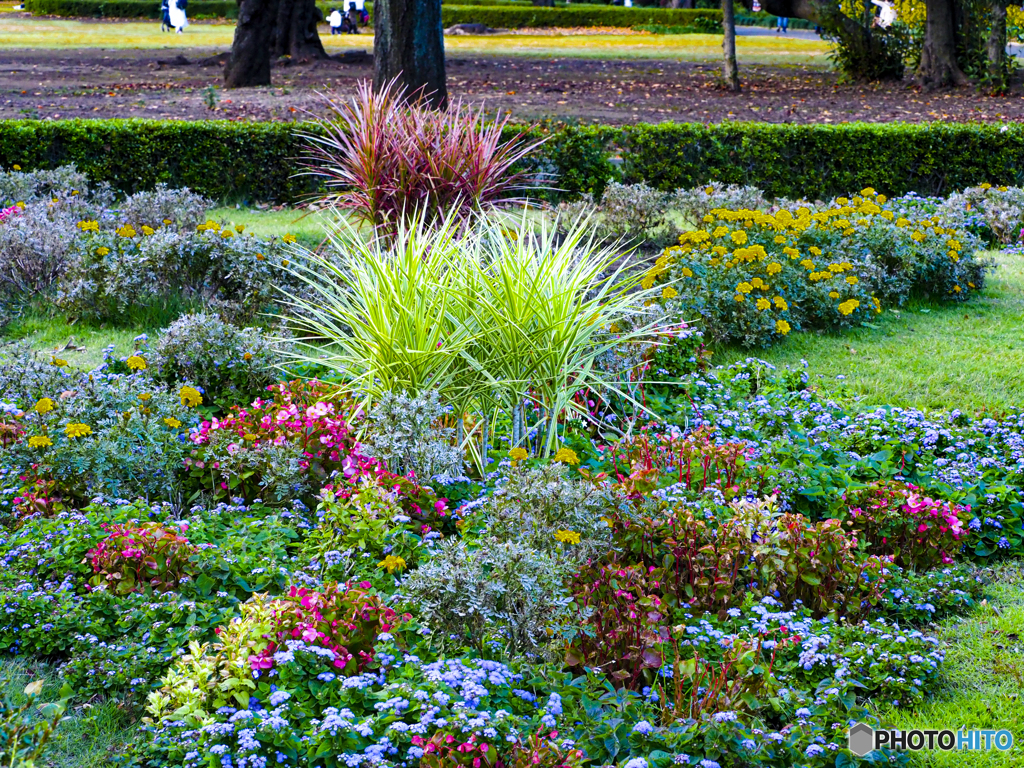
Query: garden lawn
[[21, 32], [984, 674], [925, 355]]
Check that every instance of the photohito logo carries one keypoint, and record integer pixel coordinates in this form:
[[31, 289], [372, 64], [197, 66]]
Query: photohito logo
[[863, 739]]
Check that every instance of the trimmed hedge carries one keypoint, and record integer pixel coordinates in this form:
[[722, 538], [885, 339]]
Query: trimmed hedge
[[256, 161], [128, 9], [571, 16]]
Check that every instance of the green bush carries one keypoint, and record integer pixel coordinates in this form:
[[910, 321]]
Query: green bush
[[572, 16], [128, 9], [256, 161]]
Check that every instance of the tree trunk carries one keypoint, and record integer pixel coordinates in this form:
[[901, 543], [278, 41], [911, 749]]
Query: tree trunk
[[730, 72], [408, 45], [938, 56], [997, 46], [249, 63], [267, 29], [295, 33]]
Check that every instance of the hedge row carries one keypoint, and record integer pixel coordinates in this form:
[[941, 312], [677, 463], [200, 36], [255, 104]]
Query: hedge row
[[127, 9], [571, 16], [493, 15], [257, 161], [760, 20]]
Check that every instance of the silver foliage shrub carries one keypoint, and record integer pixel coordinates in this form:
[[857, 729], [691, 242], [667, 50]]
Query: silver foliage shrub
[[694, 204], [181, 208], [635, 213], [502, 591], [1000, 208], [31, 186], [401, 432], [231, 364], [532, 505]]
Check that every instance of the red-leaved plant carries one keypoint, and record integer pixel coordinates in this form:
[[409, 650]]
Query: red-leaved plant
[[346, 619], [140, 557], [388, 158]]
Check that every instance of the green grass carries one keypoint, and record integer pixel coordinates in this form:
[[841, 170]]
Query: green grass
[[966, 356], [89, 735], [18, 32], [307, 228], [983, 677]]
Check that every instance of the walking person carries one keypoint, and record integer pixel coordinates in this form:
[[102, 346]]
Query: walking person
[[165, 16], [178, 18], [783, 25], [334, 20]]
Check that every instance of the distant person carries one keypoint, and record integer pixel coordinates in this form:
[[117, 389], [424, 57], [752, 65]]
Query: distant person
[[627, 3], [355, 18], [335, 21], [176, 12], [783, 25], [165, 16], [886, 15]]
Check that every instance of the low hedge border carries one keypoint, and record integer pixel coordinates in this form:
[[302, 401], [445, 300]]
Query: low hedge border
[[253, 162], [493, 15]]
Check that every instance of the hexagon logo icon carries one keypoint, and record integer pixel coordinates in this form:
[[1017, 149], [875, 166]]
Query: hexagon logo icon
[[861, 739]]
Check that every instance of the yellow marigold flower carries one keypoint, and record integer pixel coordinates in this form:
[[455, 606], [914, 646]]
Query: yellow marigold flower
[[686, 272], [648, 282], [852, 279], [782, 327], [146, 230], [518, 454], [669, 292], [833, 294], [58, 362], [249, 437], [971, 285], [102, 251], [74, 430], [16, 167], [1002, 189], [815, 250], [918, 236], [880, 199], [847, 307], [744, 287], [887, 215], [392, 563], [136, 363], [567, 456], [720, 232], [842, 200], [740, 297], [168, 222], [709, 190], [757, 282], [779, 239], [986, 185], [145, 397], [567, 537], [807, 264], [88, 226], [126, 231], [774, 268], [763, 304], [239, 228], [877, 303], [781, 303], [39, 441], [849, 231], [225, 234], [172, 422], [288, 238], [868, 192], [708, 218], [957, 288], [190, 397], [45, 405], [739, 237]]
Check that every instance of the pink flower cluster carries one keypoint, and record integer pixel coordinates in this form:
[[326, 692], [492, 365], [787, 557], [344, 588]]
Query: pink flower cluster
[[6, 213]]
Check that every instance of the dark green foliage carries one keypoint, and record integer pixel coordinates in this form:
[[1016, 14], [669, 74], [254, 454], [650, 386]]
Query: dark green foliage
[[257, 161], [128, 9], [573, 16]]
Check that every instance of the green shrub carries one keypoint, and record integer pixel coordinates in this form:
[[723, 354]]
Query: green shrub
[[252, 161], [127, 9], [574, 16]]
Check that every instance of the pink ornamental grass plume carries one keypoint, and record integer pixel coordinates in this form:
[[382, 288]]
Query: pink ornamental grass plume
[[386, 159]]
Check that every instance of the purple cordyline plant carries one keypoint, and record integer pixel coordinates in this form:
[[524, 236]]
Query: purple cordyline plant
[[388, 158]]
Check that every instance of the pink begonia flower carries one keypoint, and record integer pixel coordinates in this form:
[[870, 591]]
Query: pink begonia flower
[[922, 528]]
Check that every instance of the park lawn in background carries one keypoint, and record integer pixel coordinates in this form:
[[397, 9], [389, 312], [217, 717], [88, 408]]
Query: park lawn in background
[[307, 227], [984, 675], [22, 32], [925, 355]]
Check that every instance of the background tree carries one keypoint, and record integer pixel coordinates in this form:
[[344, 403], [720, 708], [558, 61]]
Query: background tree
[[730, 72], [938, 55], [408, 47], [268, 29]]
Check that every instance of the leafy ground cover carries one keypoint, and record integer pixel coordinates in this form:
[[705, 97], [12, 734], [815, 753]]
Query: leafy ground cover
[[461, 488]]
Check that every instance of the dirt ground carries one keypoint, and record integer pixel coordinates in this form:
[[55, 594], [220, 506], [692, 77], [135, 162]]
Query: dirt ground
[[52, 84]]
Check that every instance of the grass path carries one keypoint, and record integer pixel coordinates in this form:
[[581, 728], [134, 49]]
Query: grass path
[[966, 356], [19, 32], [983, 677]]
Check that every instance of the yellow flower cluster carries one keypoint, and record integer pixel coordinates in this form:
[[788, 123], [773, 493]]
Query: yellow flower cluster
[[567, 537], [190, 397], [74, 430], [45, 405], [172, 422], [126, 231], [136, 363], [39, 441], [89, 226], [392, 563], [210, 225], [567, 456]]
